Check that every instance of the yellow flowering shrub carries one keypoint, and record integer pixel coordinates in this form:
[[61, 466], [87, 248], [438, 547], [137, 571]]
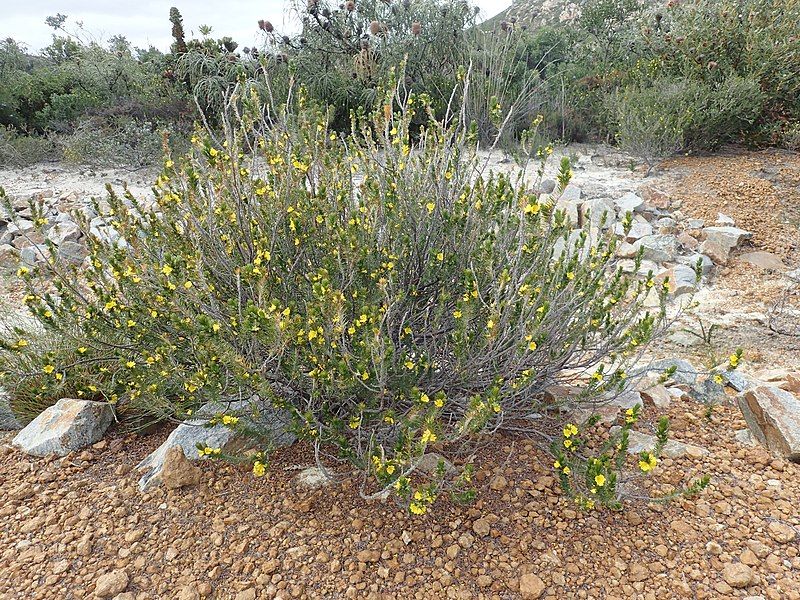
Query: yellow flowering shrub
[[381, 288]]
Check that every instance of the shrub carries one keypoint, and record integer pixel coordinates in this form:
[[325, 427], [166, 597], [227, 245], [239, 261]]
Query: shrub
[[345, 50], [682, 115], [22, 150], [391, 300], [113, 142]]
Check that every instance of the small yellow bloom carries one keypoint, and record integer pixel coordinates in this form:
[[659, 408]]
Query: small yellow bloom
[[259, 469], [48, 369], [417, 508], [430, 206], [424, 398], [600, 480]]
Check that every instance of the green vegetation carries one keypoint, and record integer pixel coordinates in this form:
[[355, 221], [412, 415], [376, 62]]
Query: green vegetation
[[688, 76], [378, 287]]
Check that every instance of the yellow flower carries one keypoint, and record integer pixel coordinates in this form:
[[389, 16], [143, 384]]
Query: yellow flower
[[230, 420], [187, 285], [430, 206], [457, 314], [571, 275], [48, 369], [130, 364], [566, 470], [424, 398], [439, 403], [428, 436], [21, 343], [388, 419], [532, 346], [409, 364], [440, 256], [490, 324], [418, 508], [532, 208], [557, 465], [390, 469], [166, 270], [733, 360], [600, 480], [567, 443], [648, 462], [258, 468]]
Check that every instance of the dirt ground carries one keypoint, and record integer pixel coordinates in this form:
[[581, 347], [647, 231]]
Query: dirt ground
[[64, 523], [761, 192]]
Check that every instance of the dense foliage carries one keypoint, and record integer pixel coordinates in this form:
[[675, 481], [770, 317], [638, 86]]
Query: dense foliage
[[689, 75]]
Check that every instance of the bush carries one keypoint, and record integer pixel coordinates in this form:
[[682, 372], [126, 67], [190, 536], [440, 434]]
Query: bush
[[21, 150], [671, 116], [113, 142], [391, 300]]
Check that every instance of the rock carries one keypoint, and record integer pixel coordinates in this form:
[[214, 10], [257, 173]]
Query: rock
[[111, 584], [773, 415], [498, 483], [72, 252], [248, 594], [658, 396], [717, 253], [764, 260], [681, 279], [691, 261], [187, 435], [66, 426], [8, 421], [65, 231], [9, 258], [641, 442], [744, 437], [571, 193], [736, 379], [628, 203], [793, 383], [725, 220], [597, 211], [127, 596], [666, 225], [781, 532], [727, 236], [429, 463], [687, 241], [709, 392], [177, 471], [547, 186], [737, 575], [531, 586], [654, 197], [720, 241], [658, 248], [481, 527], [570, 207], [639, 229], [312, 478], [684, 371]]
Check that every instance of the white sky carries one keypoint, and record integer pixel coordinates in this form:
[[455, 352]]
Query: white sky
[[146, 22]]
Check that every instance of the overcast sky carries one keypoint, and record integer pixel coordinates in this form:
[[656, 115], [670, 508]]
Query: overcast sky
[[146, 22]]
